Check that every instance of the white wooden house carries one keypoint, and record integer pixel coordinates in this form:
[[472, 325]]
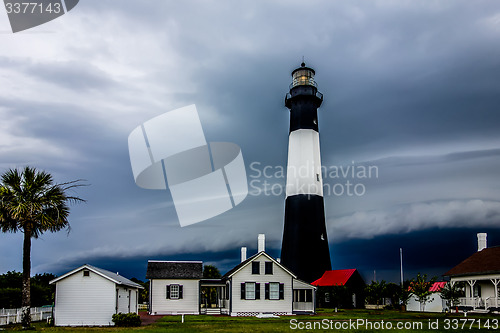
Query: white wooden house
[[89, 296], [435, 304], [259, 284], [174, 286], [481, 275]]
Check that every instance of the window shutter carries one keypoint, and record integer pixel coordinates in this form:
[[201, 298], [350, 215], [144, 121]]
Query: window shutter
[[243, 290], [168, 291], [282, 291], [180, 291], [266, 291], [257, 291]]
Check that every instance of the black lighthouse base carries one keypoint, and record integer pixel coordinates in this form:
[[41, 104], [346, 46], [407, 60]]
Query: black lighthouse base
[[304, 250]]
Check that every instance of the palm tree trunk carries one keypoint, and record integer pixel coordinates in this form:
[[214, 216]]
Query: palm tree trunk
[[26, 300]]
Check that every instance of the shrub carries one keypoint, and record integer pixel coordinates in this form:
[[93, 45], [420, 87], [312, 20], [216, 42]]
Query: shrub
[[126, 319]]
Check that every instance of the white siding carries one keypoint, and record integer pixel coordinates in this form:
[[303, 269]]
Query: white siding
[[189, 303], [261, 305], [82, 301], [435, 305], [123, 299]]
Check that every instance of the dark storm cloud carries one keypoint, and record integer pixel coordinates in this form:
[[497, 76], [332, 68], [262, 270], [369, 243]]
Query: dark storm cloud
[[410, 87]]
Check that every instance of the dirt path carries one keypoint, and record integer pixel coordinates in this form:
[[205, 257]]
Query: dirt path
[[148, 319]]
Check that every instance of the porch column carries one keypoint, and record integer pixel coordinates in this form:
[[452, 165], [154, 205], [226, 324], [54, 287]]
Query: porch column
[[495, 284], [471, 284]]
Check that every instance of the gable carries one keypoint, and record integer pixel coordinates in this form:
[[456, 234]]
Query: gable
[[261, 256], [113, 277]]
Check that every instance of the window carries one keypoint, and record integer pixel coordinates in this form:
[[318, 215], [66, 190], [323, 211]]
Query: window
[[327, 297], [86, 273], [269, 267], [477, 290], [303, 295], [174, 291], [255, 267], [250, 290], [274, 290], [309, 295]]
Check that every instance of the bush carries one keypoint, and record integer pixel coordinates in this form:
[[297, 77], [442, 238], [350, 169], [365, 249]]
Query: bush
[[126, 319]]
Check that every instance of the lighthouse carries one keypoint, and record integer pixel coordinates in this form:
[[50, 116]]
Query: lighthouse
[[304, 247]]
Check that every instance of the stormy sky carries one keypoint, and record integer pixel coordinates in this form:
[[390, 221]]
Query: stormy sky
[[411, 90]]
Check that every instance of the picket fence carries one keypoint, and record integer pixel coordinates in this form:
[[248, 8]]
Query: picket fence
[[13, 316]]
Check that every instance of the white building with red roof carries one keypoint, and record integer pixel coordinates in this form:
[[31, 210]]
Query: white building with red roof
[[436, 303]]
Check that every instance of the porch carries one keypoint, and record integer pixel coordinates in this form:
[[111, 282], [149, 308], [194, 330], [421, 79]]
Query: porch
[[303, 300], [481, 293], [214, 297]]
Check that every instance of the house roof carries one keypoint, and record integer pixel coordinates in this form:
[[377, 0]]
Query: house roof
[[485, 261], [174, 269], [242, 264], [437, 286], [114, 277], [338, 277]]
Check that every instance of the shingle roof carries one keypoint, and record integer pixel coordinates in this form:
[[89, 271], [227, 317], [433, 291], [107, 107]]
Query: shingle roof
[[174, 270], [114, 277], [482, 262], [338, 277]]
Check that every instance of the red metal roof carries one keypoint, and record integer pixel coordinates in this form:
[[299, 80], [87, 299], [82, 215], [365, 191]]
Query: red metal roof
[[437, 286], [337, 277]]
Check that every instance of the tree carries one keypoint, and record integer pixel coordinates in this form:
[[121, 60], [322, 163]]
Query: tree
[[31, 203], [451, 292], [405, 293], [209, 294], [375, 292], [420, 288], [211, 272], [143, 293]]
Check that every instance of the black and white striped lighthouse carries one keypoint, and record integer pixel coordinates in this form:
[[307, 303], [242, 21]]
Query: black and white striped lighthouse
[[305, 243]]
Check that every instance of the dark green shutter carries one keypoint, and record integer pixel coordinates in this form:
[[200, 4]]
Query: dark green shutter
[[243, 290], [266, 291], [168, 291], [180, 291], [282, 291], [257, 291]]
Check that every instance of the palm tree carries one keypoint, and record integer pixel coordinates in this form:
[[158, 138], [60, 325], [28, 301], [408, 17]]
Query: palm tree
[[30, 202]]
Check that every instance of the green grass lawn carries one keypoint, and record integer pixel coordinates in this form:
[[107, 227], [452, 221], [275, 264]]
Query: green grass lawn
[[325, 321]]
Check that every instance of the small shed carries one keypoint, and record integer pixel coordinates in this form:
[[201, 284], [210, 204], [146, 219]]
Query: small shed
[[341, 288], [89, 296]]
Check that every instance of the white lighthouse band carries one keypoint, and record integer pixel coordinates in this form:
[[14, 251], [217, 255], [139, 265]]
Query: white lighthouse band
[[304, 164]]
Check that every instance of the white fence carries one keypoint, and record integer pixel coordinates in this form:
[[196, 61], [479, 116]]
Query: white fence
[[13, 316], [142, 307]]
